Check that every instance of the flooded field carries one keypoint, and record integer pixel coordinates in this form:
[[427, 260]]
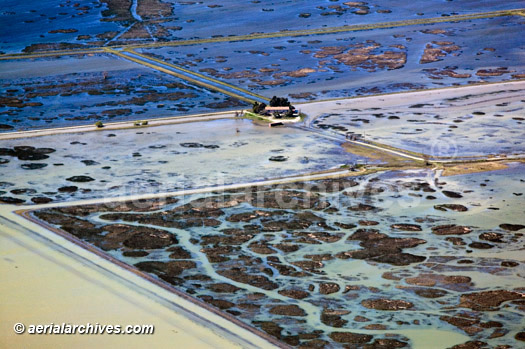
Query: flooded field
[[52, 24], [67, 91], [303, 67], [317, 67], [271, 16], [359, 261], [159, 159], [480, 121], [67, 24]]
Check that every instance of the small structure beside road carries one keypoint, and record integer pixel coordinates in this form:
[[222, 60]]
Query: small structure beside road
[[279, 107], [351, 136], [269, 109]]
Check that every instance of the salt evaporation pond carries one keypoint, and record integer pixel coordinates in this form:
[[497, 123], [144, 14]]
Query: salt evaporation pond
[[395, 258], [479, 121], [88, 23], [271, 16], [27, 22], [67, 91], [317, 67], [163, 159]]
